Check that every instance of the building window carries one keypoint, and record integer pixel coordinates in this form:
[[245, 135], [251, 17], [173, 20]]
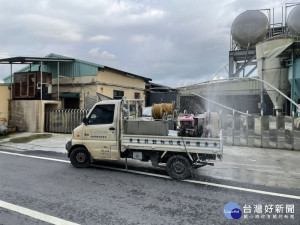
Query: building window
[[118, 94], [71, 103], [24, 85], [27, 85], [137, 95]]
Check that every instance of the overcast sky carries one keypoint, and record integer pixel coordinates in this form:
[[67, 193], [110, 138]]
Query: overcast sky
[[174, 42]]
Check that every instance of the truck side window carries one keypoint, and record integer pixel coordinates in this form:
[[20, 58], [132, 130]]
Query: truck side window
[[102, 114]]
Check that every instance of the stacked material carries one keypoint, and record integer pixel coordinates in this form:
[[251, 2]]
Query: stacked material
[[159, 110]]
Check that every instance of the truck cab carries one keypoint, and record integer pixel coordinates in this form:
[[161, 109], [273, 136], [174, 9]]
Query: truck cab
[[98, 132]]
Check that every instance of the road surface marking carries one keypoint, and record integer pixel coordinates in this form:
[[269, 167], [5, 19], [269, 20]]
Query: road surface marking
[[35, 214], [245, 189], [227, 178], [205, 183], [35, 157], [167, 177]]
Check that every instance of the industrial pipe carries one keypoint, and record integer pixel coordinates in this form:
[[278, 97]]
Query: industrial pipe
[[294, 103], [224, 106]]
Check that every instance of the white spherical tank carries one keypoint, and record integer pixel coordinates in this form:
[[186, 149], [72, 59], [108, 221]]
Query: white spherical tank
[[251, 27], [293, 21]]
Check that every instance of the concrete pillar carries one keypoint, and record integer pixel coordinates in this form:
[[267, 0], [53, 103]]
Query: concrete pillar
[[231, 65]]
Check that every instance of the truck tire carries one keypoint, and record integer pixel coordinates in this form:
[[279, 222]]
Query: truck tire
[[178, 167], [80, 158]]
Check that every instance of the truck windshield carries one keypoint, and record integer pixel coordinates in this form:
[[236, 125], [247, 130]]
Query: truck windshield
[[102, 114]]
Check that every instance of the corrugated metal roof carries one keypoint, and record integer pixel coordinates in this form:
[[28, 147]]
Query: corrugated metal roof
[[4, 84], [7, 79], [223, 87], [76, 68], [127, 74], [67, 68]]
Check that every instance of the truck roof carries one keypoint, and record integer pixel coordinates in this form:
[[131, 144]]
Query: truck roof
[[108, 102], [119, 100]]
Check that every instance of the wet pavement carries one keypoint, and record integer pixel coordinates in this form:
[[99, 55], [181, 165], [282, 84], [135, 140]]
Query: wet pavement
[[27, 141], [105, 196], [261, 166], [106, 193]]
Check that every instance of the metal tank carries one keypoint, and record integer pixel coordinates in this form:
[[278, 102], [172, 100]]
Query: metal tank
[[293, 21], [271, 67], [251, 27]]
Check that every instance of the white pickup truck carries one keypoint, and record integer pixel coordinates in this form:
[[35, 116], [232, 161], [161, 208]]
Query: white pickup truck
[[102, 136]]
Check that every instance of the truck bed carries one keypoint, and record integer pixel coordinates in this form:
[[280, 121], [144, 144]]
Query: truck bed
[[173, 143]]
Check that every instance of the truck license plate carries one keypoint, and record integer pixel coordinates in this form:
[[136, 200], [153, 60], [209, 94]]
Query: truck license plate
[[137, 155]]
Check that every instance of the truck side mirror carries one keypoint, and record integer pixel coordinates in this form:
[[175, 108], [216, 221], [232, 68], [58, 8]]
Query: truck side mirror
[[85, 120]]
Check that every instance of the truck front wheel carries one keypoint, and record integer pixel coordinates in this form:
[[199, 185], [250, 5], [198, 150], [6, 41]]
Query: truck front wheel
[[178, 167], [80, 158]]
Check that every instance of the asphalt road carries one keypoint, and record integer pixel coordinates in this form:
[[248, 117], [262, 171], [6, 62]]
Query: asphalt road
[[55, 191]]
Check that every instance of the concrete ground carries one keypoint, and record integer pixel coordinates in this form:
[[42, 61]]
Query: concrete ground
[[256, 166], [35, 142], [269, 167], [44, 188]]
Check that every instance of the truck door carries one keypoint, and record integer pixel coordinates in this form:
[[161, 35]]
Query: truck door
[[100, 133]]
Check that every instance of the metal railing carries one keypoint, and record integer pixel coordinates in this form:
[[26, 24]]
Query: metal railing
[[63, 120]]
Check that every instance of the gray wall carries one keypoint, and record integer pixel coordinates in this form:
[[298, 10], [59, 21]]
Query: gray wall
[[256, 131], [243, 103], [161, 97], [24, 115], [29, 115]]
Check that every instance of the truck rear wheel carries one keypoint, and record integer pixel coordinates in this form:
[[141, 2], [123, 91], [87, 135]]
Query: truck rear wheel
[[80, 158], [179, 167]]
